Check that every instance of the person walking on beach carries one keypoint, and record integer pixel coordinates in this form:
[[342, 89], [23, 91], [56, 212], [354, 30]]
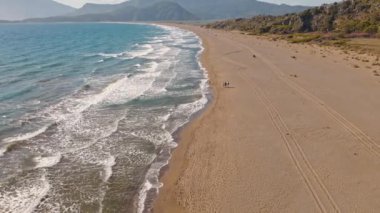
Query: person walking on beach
[[226, 84]]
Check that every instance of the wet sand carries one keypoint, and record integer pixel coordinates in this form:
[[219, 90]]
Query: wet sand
[[298, 131]]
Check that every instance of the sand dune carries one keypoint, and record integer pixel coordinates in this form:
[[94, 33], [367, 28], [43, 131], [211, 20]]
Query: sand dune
[[298, 131]]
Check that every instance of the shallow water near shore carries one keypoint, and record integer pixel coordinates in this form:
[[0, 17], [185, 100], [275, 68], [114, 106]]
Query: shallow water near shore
[[88, 112]]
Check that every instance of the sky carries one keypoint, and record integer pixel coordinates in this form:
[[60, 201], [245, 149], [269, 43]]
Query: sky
[[79, 3]]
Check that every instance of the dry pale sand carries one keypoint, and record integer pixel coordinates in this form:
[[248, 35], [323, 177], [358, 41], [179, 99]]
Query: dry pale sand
[[299, 131]]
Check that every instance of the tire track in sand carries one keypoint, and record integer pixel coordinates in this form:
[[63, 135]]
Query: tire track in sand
[[366, 141], [318, 190]]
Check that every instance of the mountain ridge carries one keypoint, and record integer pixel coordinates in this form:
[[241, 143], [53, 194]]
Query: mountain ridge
[[236, 8], [13, 10], [161, 11], [180, 10], [205, 10], [92, 8]]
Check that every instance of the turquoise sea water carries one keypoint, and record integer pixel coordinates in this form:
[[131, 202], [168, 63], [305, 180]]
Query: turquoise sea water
[[88, 113]]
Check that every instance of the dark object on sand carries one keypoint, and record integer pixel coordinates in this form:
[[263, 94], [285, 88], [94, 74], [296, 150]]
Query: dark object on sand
[[254, 56], [293, 57]]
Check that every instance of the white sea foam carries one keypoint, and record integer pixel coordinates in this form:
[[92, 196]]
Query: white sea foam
[[184, 112], [68, 113], [151, 182], [108, 164], [26, 197], [106, 132], [143, 50], [159, 50], [130, 88], [38, 195], [111, 55], [48, 161], [159, 137], [143, 195], [189, 109], [75, 115], [157, 40], [126, 88], [3, 150], [165, 117], [139, 51], [26, 136]]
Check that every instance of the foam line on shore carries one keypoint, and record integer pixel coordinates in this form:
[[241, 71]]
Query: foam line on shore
[[152, 181], [25, 136]]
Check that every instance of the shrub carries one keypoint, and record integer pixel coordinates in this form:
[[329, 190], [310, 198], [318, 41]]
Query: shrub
[[302, 38], [372, 29], [350, 26], [349, 17]]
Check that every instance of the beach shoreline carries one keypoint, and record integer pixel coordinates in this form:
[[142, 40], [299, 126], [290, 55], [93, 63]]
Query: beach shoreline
[[222, 165], [183, 136], [111, 119], [144, 199]]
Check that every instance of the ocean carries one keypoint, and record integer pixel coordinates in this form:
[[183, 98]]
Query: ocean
[[89, 113]]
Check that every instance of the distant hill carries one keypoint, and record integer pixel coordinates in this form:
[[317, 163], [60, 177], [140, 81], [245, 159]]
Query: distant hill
[[24, 9], [161, 11], [222, 9], [203, 9], [91, 8], [350, 16]]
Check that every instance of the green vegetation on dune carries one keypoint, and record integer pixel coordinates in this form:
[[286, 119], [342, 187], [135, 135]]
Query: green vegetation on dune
[[354, 17]]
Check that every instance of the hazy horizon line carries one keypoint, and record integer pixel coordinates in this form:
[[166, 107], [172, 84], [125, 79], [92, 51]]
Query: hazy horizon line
[[74, 3]]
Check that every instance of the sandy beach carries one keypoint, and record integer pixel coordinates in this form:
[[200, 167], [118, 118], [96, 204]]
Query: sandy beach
[[297, 131]]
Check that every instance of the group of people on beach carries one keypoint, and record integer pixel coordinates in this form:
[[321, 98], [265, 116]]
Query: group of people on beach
[[226, 84]]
